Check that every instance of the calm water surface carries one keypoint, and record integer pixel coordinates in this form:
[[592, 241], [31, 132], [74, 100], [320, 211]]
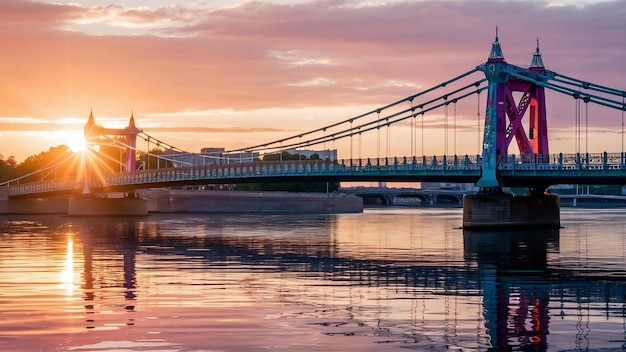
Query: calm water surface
[[388, 279]]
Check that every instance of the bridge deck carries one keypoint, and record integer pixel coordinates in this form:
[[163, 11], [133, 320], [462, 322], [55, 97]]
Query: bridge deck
[[512, 171]]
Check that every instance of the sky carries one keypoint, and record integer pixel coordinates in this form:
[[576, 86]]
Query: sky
[[213, 73]]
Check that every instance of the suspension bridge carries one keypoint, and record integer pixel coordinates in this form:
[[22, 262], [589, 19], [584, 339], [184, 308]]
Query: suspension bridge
[[515, 110]]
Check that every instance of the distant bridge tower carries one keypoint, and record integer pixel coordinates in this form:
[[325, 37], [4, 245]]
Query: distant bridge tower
[[128, 136], [503, 118]]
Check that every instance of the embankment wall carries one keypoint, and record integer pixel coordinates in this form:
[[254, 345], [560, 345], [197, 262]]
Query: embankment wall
[[181, 201]]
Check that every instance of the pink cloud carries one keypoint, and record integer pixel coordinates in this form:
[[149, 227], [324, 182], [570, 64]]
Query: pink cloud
[[20, 13], [163, 14]]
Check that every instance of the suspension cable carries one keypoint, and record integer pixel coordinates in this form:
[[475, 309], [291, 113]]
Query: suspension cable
[[585, 84], [393, 118], [614, 104], [369, 113], [376, 124]]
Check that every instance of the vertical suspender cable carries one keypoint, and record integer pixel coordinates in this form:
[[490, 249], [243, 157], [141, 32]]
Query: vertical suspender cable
[[422, 130], [324, 144], [414, 133], [577, 125], [586, 127], [454, 127], [478, 124], [378, 135], [158, 148], [351, 134], [388, 138], [587, 134], [412, 129], [445, 125], [359, 143], [623, 108]]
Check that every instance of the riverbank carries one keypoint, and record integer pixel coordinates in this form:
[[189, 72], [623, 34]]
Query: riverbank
[[181, 201], [204, 201]]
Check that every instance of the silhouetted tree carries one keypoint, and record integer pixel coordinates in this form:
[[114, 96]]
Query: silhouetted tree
[[7, 168], [59, 161]]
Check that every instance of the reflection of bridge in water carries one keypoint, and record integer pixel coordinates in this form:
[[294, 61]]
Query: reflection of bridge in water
[[374, 196], [510, 272]]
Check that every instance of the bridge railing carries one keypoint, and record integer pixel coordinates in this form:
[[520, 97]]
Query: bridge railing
[[376, 167], [443, 162], [578, 161], [58, 184]]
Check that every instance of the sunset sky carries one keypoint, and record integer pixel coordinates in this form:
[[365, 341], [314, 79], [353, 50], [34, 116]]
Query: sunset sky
[[209, 73]]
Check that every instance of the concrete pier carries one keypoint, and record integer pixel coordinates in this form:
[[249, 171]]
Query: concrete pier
[[508, 211], [94, 206]]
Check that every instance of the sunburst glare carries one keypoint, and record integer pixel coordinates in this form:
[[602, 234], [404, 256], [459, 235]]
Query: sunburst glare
[[75, 140]]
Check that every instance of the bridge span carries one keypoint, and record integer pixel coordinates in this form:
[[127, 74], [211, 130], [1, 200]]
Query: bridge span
[[513, 171], [514, 95]]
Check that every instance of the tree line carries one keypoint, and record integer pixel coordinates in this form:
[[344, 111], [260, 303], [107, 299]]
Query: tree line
[[10, 169]]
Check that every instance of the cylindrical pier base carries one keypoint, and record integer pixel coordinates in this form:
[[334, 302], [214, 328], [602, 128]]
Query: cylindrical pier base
[[93, 206], [506, 210]]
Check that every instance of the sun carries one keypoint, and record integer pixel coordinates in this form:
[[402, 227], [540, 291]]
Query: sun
[[76, 142]]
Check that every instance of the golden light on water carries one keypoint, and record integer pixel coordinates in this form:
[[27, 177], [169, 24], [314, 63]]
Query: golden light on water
[[67, 273]]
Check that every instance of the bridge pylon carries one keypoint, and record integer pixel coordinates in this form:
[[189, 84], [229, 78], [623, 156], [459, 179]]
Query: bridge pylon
[[130, 204], [127, 136], [491, 207], [504, 115]]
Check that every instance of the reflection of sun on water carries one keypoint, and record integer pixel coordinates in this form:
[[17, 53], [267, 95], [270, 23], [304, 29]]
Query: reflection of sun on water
[[67, 274]]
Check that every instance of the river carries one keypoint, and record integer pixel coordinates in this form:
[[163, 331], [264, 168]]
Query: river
[[389, 279]]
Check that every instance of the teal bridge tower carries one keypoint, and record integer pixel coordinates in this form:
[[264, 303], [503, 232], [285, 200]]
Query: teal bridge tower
[[503, 118], [503, 123]]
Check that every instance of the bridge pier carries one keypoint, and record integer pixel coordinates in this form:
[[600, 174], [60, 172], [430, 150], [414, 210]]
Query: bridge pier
[[501, 210], [94, 206]]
